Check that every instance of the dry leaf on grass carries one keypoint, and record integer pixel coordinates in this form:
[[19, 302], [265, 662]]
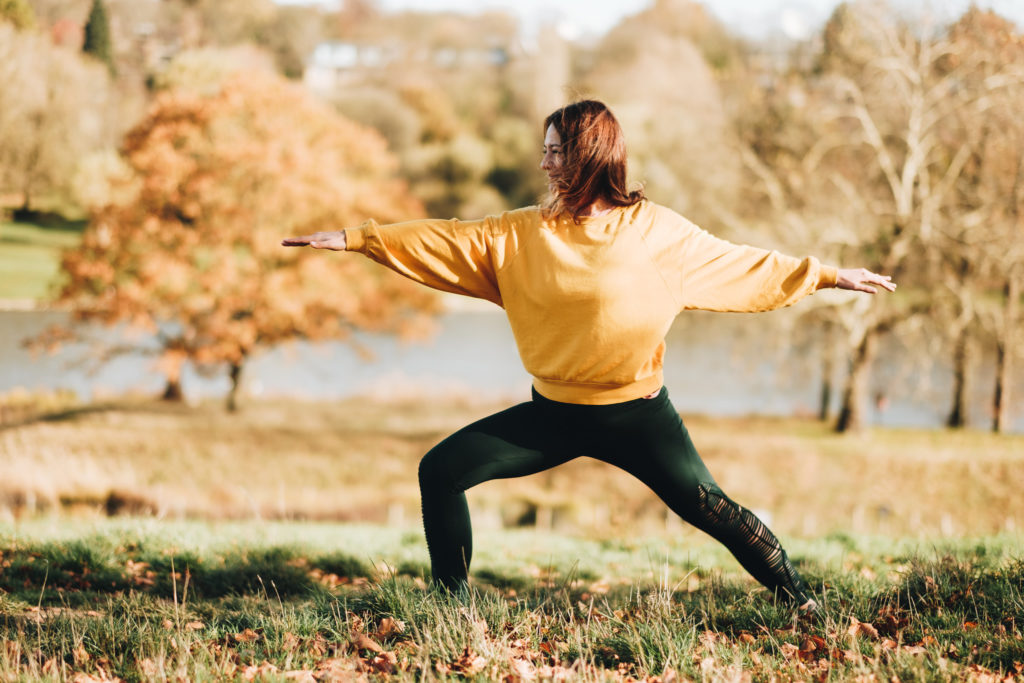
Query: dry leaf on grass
[[361, 642], [389, 627], [523, 669], [861, 629], [80, 655], [246, 636], [251, 673], [469, 663]]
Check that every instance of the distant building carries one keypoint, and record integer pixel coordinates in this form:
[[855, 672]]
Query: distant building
[[337, 63], [67, 33]]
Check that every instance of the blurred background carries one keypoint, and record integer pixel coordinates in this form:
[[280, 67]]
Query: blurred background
[[153, 153]]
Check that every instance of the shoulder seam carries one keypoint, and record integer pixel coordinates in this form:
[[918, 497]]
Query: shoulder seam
[[654, 264]]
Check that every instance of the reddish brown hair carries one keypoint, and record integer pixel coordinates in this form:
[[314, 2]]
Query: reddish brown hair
[[594, 159]]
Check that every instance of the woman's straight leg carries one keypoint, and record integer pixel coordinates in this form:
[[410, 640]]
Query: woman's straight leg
[[648, 440]]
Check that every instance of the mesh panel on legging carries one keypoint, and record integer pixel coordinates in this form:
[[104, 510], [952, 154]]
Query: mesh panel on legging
[[753, 544]]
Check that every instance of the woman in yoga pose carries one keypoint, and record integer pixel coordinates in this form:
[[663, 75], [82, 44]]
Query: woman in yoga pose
[[590, 282]]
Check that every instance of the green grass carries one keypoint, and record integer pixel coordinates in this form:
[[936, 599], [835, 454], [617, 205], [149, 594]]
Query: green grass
[[149, 600], [30, 258]]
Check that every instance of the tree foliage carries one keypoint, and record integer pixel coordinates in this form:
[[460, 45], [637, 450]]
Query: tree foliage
[[872, 154], [983, 275], [52, 114], [666, 95], [217, 182], [18, 13]]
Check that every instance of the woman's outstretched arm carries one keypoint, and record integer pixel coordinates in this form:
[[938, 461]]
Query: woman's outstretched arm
[[451, 255]]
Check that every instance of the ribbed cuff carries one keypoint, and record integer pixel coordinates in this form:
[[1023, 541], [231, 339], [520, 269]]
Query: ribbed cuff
[[828, 277], [354, 239]]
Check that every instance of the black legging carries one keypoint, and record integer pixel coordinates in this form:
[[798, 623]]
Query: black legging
[[644, 437]]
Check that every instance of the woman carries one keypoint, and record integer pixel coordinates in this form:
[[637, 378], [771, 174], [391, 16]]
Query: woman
[[590, 283]]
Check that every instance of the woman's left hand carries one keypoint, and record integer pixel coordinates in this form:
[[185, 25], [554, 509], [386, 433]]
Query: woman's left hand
[[862, 279]]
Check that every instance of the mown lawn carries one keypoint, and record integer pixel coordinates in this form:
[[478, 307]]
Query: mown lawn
[[151, 600], [30, 258]]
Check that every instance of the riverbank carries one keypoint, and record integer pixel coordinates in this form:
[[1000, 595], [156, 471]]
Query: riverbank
[[30, 261]]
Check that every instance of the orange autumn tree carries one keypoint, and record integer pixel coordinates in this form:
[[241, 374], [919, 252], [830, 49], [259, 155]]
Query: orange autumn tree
[[192, 250]]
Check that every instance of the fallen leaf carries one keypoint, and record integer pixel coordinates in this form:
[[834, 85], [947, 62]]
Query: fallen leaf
[[253, 672], [361, 641], [789, 650], [246, 636], [524, 669], [859, 628], [80, 656], [385, 662], [389, 627], [469, 663]]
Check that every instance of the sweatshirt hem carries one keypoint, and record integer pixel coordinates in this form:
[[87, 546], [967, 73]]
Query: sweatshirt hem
[[597, 394]]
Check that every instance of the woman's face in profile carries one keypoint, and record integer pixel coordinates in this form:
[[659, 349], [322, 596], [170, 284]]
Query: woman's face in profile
[[553, 156]]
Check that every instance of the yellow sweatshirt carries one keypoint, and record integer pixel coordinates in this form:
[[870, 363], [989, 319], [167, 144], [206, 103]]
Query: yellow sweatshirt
[[590, 303]]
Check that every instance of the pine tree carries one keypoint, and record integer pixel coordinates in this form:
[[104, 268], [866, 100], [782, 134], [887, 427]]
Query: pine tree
[[97, 35]]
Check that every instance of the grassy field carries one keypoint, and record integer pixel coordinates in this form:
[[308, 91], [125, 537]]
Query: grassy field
[[30, 258], [150, 600], [356, 461], [144, 541]]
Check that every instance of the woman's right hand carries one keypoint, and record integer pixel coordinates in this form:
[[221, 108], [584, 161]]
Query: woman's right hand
[[863, 280], [335, 240]]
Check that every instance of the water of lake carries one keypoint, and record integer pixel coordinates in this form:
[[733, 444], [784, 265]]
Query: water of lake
[[717, 364]]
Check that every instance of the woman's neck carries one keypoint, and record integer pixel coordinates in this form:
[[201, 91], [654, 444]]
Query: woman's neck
[[599, 208]]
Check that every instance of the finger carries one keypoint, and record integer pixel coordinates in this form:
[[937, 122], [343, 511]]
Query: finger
[[884, 281]]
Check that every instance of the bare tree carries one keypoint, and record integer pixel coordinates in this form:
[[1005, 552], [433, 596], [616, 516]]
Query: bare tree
[[906, 102], [989, 238]]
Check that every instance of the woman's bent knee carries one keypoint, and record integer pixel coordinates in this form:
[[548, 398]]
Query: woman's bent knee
[[430, 470]]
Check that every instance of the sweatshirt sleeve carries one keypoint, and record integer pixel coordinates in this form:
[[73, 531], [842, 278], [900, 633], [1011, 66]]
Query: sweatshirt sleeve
[[713, 274], [449, 255]]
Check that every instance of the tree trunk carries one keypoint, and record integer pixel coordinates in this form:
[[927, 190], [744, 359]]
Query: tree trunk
[[235, 374], [1004, 356], [171, 362], [962, 358], [828, 360], [855, 397], [172, 391]]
